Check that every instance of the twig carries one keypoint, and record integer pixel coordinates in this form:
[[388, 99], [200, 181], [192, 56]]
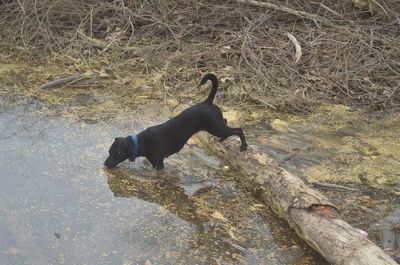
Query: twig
[[383, 9], [285, 9], [238, 247], [330, 10], [102, 44], [93, 41], [333, 186], [65, 81], [297, 47]]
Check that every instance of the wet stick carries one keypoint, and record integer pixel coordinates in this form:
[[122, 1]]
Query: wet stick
[[314, 218], [333, 186]]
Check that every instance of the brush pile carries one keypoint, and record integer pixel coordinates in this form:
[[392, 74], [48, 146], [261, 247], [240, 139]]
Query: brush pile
[[285, 54]]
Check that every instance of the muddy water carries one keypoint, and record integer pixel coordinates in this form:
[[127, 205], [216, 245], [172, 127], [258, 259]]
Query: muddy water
[[60, 206]]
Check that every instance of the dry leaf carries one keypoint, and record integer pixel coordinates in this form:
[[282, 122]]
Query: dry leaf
[[263, 159], [219, 216], [232, 234]]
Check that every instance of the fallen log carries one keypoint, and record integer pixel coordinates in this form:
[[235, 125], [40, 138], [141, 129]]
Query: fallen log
[[314, 218]]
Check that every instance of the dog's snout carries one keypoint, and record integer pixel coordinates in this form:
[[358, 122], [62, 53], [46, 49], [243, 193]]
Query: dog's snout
[[108, 163]]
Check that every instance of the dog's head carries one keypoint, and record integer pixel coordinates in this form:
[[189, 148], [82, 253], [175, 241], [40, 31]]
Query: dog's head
[[120, 150]]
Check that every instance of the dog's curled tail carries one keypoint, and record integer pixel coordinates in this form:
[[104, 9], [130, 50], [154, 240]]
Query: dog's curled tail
[[214, 82]]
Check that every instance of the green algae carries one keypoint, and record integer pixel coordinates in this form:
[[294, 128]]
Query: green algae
[[366, 149]]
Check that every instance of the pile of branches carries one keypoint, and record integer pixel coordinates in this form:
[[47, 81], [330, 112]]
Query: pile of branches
[[284, 54]]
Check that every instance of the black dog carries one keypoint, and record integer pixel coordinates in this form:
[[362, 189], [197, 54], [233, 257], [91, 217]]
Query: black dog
[[157, 142]]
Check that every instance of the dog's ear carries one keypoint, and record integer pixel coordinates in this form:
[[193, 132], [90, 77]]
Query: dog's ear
[[116, 139]]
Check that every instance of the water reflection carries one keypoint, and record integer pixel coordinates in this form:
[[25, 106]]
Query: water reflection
[[165, 192], [212, 234]]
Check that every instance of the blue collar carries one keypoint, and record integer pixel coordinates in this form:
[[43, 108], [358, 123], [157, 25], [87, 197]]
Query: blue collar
[[135, 146]]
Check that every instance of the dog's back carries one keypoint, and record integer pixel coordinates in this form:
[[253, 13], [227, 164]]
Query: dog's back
[[190, 121]]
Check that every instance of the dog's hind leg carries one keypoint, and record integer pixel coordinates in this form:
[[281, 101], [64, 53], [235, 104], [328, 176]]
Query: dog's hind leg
[[221, 139], [223, 131], [239, 132]]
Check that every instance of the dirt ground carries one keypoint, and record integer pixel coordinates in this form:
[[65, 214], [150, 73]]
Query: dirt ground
[[288, 56]]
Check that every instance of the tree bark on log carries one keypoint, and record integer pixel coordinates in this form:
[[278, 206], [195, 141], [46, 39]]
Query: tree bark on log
[[314, 218]]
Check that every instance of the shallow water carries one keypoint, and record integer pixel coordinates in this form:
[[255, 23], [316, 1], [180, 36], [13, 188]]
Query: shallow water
[[60, 206]]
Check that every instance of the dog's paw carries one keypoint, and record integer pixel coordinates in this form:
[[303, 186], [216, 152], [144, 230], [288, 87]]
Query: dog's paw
[[243, 148]]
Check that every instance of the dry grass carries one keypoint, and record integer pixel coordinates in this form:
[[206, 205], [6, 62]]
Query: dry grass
[[350, 49]]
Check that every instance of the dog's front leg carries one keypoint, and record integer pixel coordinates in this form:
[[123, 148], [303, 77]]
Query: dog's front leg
[[157, 162], [160, 164]]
